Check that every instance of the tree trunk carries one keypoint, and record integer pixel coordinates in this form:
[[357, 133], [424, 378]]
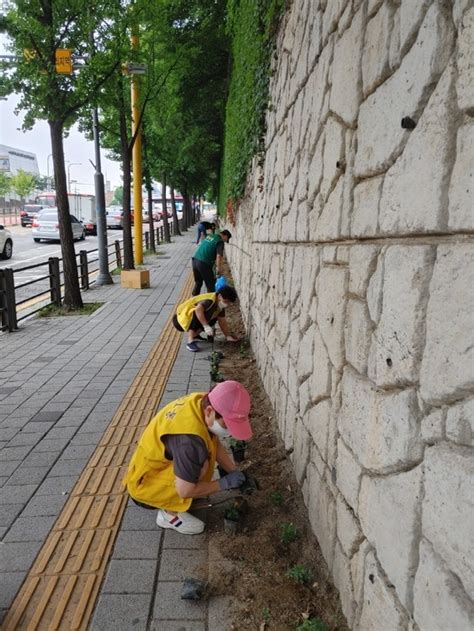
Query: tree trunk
[[166, 226], [187, 209], [149, 190], [127, 182], [176, 230], [72, 292]]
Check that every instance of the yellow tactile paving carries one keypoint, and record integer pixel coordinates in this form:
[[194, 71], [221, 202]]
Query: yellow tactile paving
[[62, 586]]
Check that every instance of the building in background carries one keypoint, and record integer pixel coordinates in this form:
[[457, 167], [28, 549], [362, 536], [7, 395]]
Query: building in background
[[13, 160]]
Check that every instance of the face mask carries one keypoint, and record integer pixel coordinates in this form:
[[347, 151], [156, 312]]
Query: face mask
[[218, 430], [221, 304]]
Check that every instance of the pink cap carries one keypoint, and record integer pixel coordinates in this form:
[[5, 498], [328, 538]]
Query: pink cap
[[232, 401]]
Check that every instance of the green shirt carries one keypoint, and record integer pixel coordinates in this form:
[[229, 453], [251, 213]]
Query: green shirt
[[209, 248]]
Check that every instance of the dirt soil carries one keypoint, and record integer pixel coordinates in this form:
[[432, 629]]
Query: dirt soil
[[252, 566]]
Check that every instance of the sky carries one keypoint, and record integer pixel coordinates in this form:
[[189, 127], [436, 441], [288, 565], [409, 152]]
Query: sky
[[76, 148]]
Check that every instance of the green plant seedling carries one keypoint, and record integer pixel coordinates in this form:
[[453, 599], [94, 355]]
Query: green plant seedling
[[300, 573], [277, 498], [232, 513], [237, 444], [312, 624], [266, 614], [289, 533]]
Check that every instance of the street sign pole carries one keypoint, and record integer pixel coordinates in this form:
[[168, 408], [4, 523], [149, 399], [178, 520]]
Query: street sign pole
[[104, 277]]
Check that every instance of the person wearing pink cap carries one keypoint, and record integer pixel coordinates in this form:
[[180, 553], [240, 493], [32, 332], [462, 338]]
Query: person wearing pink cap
[[176, 455]]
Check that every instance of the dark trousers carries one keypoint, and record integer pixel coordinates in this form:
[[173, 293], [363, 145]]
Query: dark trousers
[[201, 230], [195, 324], [203, 273]]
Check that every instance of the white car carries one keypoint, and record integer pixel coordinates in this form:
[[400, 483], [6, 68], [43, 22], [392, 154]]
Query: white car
[[45, 226], [6, 243]]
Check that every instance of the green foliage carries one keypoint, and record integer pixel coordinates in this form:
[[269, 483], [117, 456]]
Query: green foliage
[[266, 615], [300, 573], [118, 195], [237, 444], [23, 183], [232, 513], [252, 25], [5, 184], [311, 624], [289, 533], [277, 498], [51, 311]]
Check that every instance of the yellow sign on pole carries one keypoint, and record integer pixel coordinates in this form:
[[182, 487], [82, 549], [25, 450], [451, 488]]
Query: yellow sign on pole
[[63, 61], [29, 54]]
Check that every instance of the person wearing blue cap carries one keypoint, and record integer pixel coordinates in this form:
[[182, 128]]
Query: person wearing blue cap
[[204, 228]]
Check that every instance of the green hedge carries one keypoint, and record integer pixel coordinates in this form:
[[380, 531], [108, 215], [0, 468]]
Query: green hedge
[[252, 26]]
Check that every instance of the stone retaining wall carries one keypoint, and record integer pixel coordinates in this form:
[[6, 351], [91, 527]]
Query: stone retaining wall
[[353, 257]]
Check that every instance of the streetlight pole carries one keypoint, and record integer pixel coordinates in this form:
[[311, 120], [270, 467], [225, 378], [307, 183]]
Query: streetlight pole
[[137, 158], [104, 277], [69, 174]]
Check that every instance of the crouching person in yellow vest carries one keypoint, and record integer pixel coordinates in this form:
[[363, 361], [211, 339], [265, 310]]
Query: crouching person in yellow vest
[[201, 313], [176, 454]]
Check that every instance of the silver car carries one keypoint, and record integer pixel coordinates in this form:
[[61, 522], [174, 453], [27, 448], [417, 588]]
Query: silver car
[[45, 226], [6, 243], [115, 218]]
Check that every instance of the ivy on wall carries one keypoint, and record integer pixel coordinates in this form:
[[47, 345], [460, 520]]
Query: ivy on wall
[[252, 26]]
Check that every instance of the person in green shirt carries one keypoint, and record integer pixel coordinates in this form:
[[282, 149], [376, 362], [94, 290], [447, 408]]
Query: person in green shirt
[[209, 252]]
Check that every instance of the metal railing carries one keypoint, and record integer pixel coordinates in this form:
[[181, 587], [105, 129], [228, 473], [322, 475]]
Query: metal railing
[[11, 309]]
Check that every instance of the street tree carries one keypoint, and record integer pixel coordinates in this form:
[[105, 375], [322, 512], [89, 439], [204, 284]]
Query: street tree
[[23, 184], [39, 32], [5, 184]]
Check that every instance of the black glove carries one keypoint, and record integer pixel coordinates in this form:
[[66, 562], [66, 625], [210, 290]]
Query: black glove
[[232, 480]]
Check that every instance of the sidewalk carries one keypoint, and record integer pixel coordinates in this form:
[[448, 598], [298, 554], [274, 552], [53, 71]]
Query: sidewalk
[[62, 382]]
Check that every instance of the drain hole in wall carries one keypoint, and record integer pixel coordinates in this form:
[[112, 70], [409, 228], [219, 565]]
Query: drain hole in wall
[[389, 362]]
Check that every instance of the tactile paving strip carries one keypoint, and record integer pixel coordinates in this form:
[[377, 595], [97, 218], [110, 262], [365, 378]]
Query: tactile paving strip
[[62, 586]]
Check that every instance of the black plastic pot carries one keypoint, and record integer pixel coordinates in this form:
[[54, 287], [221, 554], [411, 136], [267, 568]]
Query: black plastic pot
[[231, 526], [238, 454]]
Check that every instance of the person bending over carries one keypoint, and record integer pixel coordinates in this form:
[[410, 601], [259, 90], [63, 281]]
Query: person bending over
[[209, 252], [204, 228], [201, 313], [176, 454]]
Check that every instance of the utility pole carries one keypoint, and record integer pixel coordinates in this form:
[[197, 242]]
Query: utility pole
[[137, 159], [104, 277]]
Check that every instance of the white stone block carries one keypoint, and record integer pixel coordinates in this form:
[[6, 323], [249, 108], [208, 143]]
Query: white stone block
[[346, 92], [413, 193], [348, 472], [389, 512], [331, 292], [394, 51], [374, 290], [341, 572], [448, 358], [357, 569], [459, 8], [358, 331], [304, 364], [396, 350], [440, 603], [322, 514], [365, 215], [362, 264], [379, 132], [461, 188], [333, 153], [465, 63], [448, 508], [375, 57], [382, 430], [316, 421], [334, 10], [460, 423], [348, 530], [380, 608], [432, 426], [411, 16], [315, 173], [329, 222], [301, 451]]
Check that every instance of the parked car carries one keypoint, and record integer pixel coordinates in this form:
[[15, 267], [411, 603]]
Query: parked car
[[90, 227], [28, 213], [46, 226], [6, 243], [114, 218]]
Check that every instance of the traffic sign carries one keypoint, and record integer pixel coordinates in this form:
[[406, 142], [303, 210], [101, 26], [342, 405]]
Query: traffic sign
[[63, 61], [134, 68]]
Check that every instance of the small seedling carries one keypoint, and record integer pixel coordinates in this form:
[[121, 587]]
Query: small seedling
[[266, 614], [300, 574], [232, 514], [289, 533], [243, 348], [277, 498], [311, 624], [237, 444]]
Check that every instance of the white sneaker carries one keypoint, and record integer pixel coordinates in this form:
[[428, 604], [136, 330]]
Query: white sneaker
[[183, 523]]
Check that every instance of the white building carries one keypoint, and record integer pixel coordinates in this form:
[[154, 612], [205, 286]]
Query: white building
[[13, 160]]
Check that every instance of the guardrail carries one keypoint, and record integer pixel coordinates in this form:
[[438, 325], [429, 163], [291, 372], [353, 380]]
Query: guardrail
[[10, 308]]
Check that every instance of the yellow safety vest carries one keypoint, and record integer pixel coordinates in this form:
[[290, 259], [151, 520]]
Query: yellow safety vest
[[185, 311], [150, 477]]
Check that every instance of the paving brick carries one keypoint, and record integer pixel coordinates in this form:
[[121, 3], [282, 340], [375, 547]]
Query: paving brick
[[87, 438], [30, 529], [169, 606], [11, 582], [173, 540], [25, 439], [56, 444], [13, 453], [61, 485], [9, 513], [177, 566], [18, 557], [44, 505], [18, 494], [68, 467], [50, 416], [7, 468], [136, 544], [25, 475], [37, 428], [78, 451], [137, 518], [178, 625], [115, 612], [41, 459], [130, 576]]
